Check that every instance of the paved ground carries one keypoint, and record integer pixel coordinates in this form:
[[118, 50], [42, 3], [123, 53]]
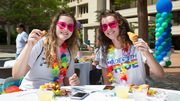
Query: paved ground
[[172, 73]]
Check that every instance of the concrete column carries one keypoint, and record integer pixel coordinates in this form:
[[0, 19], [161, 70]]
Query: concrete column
[[77, 11], [85, 36], [108, 4]]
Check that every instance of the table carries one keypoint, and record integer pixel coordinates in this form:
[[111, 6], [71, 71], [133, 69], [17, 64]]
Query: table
[[85, 68], [99, 95], [9, 63]]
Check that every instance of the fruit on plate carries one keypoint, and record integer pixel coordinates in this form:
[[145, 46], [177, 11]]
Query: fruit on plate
[[151, 92]]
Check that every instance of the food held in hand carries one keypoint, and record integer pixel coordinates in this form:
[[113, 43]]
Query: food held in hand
[[133, 37], [44, 33]]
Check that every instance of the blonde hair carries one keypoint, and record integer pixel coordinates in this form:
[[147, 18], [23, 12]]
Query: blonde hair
[[50, 43]]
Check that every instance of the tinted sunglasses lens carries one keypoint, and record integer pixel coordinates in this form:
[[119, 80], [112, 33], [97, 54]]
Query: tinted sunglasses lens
[[112, 24], [70, 27], [104, 27]]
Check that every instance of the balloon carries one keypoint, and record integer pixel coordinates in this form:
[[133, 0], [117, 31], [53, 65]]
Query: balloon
[[164, 34], [168, 30], [164, 6], [156, 48], [169, 34], [157, 52], [161, 20], [164, 53], [164, 24], [156, 21], [168, 63], [158, 15], [164, 14], [156, 30], [168, 20], [168, 39], [164, 44], [162, 63], [170, 15], [160, 48], [158, 34], [78, 25], [157, 43], [166, 58], [170, 25], [158, 25], [160, 39], [159, 58], [169, 44], [155, 56], [161, 30]]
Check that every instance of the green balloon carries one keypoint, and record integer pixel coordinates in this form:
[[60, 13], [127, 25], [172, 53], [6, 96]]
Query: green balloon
[[170, 15], [168, 63], [156, 21], [158, 15], [155, 56], [158, 34], [168, 20], [156, 53], [164, 44], [164, 25], [161, 30], [160, 48]]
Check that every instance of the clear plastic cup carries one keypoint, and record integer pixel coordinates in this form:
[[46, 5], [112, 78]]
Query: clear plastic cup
[[44, 95], [122, 91], [139, 94]]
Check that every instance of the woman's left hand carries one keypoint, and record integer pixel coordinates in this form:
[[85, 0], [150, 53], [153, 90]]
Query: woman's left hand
[[142, 47], [74, 80]]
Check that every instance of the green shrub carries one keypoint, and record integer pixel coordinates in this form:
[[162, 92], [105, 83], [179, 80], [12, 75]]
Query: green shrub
[[13, 37], [151, 31]]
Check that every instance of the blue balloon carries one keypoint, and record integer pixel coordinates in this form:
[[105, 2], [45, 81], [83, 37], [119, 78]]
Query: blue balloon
[[164, 14], [157, 43], [159, 58], [164, 53], [158, 25], [160, 20], [164, 34], [169, 24], [156, 48], [169, 44], [168, 30], [160, 39], [164, 6], [156, 30]]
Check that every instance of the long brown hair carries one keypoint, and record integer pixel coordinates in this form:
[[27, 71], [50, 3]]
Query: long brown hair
[[50, 43], [123, 25]]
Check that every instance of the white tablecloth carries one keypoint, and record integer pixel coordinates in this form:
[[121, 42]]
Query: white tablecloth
[[9, 63], [99, 95], [85, 68]]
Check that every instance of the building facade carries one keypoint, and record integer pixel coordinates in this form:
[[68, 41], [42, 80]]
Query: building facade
[[85, 12]]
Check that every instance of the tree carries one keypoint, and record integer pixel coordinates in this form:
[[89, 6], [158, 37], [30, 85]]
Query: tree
[[34, 13]]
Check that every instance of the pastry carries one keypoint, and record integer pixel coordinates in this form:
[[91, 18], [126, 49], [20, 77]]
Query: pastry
[[44, 33], [133, 37]]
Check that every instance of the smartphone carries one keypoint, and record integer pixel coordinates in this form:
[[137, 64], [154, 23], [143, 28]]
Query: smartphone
[[108, 87], [79, 95]]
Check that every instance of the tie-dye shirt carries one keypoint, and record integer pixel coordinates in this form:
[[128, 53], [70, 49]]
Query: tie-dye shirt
[[39, 74], [134, 63]]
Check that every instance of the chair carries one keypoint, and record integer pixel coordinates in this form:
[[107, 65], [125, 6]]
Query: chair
[[9, 79], [149, 81]]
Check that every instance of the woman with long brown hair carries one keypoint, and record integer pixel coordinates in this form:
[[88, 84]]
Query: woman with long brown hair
[[122, 60]]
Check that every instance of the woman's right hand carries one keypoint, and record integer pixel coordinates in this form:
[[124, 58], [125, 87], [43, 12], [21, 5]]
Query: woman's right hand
[[34, 37]]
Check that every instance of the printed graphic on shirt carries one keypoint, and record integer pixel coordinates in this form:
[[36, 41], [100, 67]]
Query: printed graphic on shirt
[[43, 61], [127, 63]]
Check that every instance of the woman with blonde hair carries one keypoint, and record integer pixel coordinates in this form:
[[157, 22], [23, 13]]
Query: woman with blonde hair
[[49, 59]]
